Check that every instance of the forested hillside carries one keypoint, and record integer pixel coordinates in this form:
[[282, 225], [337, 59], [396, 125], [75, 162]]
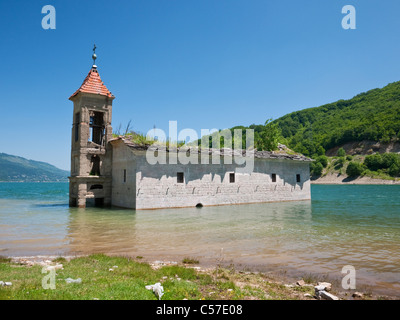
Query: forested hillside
[[373, 115]]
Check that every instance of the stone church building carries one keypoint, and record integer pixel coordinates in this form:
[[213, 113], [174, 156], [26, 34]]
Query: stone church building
[[114, 171]]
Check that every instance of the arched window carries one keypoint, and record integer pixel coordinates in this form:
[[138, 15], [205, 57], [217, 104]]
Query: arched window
[[95, 162], [96, 127]]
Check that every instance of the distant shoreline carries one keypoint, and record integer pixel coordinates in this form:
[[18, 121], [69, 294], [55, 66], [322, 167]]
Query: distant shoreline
[[345, 180]]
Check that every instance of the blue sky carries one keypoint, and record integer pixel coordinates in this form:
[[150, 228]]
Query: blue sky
[[206, 63]]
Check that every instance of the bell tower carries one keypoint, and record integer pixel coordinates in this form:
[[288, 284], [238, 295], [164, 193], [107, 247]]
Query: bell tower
[[90, 180]]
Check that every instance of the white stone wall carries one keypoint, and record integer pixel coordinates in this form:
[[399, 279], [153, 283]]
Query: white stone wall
[[157, 187], [123, 193]]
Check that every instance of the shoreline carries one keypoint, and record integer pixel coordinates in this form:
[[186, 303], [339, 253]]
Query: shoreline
[[338, 179]]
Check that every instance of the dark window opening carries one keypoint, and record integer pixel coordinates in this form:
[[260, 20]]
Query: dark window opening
[[73, 202], [76, 125], [124, 175], [231, 177], [96, 186], [95, 161], [94, 202], [96, 127], [179, 177], [273, 177], [99, 202], [298, 178]]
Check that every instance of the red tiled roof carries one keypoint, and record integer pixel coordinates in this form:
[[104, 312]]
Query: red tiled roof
[[93, 84]]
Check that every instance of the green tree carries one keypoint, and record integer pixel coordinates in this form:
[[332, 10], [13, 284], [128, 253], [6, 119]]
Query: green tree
[[389, 159], [340, 162], [373, 162], [323, 160], [341, 152], [354, 169], [316, 168], [269, 136], [394, 170], [321, 151]]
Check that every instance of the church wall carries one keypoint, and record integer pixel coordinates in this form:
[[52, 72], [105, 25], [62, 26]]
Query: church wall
[[157, 186], [123, 176]]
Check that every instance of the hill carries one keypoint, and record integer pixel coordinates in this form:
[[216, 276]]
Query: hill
[[369, 116], [14, 168], [367, 123]]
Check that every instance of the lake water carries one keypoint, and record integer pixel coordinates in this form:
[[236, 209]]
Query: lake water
[[356, 225]]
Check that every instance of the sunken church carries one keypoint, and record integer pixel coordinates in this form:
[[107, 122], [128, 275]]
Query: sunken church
[[107, 171]]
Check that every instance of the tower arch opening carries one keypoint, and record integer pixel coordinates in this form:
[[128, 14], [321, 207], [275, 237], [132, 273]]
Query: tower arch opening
[[95, 165]]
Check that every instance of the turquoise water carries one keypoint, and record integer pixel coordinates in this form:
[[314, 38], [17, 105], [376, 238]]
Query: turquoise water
[[342, 225]]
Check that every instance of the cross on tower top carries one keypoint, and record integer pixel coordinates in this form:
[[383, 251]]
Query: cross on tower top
[[94, 56]]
